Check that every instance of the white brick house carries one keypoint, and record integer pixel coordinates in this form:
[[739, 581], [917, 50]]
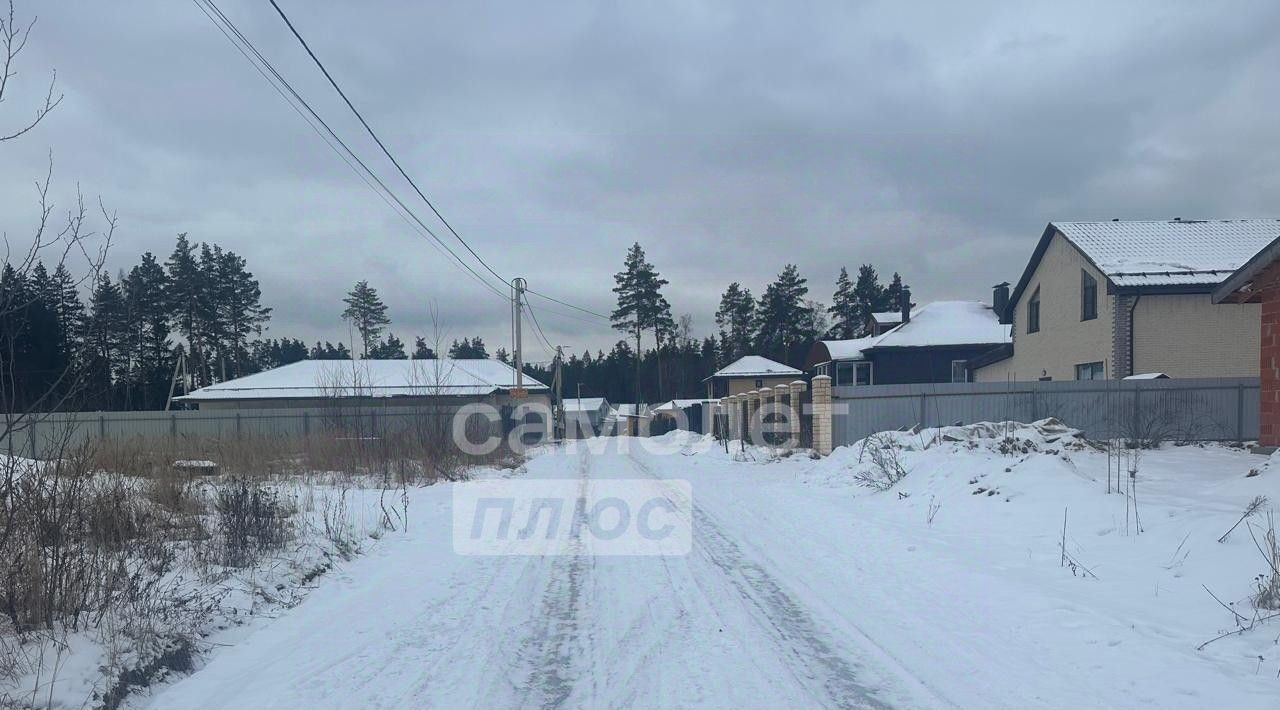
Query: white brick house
[[1112, 299]]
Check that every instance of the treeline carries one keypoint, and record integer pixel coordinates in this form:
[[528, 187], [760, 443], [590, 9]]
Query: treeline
[[118, 348], [782, 324], [118, 351]]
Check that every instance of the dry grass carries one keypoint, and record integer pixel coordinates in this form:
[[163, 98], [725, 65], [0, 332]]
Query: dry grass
[[111, 537]]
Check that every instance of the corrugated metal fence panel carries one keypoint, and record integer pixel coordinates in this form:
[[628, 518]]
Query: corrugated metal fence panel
[[1179, 410], [45, 434]]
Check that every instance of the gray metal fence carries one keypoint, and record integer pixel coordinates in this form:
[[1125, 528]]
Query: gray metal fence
[[42, 435], [1213, 409]]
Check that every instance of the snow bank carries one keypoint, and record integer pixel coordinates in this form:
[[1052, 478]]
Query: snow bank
[[969, 544]]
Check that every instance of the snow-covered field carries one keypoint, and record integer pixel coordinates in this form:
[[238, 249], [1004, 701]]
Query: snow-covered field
[[802, 589]]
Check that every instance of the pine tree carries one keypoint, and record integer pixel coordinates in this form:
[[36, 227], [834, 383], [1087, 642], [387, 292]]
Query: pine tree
[[502, 355], [783, 319], [390, 349], [268, 354], [421, 351], [146, 302], [893, 294], [188, 303], [367, 313], [108, 336], [468, 349], [735, 319], [237, 300], [868, 294], [641, 305], [68, 308], [329, 352], [845, 314]]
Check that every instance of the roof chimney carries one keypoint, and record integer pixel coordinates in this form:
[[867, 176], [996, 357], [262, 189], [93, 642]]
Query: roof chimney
[[1000, 299], [906, 305]]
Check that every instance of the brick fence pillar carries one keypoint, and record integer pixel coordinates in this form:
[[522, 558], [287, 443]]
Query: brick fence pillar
[[822, 414], [781, 400], [735, 417], [796, 391], [1269, 368], [752, 398]]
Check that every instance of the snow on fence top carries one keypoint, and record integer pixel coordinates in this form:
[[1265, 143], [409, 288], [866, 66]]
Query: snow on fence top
[[369, 378]]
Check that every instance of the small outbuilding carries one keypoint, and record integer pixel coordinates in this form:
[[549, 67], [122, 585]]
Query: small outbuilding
[[747, 373], [585, 416]]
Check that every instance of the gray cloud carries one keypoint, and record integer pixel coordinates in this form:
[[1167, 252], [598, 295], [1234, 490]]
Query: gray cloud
[[728, 139]]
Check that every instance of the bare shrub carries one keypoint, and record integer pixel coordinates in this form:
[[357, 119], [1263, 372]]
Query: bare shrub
[[252, 519], [1267, 584], [886, 467]]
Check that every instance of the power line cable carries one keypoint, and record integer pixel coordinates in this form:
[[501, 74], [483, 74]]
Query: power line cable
[[570, 305], [546, 342], [240, 42], [378, 140], [387, 152]]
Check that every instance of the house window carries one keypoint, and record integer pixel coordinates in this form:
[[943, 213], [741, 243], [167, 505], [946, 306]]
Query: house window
[[1033, 312], [959, 370], [853, 373], [862, 373], [1088, 296], [759, 383], [1090, 371], [844, 373]]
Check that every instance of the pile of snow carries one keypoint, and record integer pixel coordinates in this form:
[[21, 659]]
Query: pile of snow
[[1049, 437]]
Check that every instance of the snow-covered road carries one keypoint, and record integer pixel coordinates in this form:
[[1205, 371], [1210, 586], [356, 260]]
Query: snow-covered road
[[788, 598], [415, 625]]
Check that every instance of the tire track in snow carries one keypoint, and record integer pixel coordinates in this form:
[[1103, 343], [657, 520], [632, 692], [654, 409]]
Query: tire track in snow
[[832, 679], [552, 649]]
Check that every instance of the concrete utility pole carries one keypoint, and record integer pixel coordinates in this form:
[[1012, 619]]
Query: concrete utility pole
[[558, 412], [517, 307]]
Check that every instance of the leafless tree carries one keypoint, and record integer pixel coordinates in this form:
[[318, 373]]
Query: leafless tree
[[58, 239]]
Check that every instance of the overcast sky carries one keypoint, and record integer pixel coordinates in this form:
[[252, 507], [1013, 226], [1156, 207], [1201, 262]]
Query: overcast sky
[[728, 139]]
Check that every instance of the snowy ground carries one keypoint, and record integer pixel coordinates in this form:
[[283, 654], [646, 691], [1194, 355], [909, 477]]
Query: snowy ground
[[802, 589]]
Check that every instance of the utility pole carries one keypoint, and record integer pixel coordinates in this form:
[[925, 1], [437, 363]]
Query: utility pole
[[517, 306], [179, 375], [558, 381]]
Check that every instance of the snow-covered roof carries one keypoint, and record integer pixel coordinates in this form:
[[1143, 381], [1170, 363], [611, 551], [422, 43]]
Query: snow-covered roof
[[1170, 252], [585, 404], [317, 379], [674, 404], [887, 317], [755, 366], [849, 349], [629, 410], [1148, 376], [947, 323], [934, 324]]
